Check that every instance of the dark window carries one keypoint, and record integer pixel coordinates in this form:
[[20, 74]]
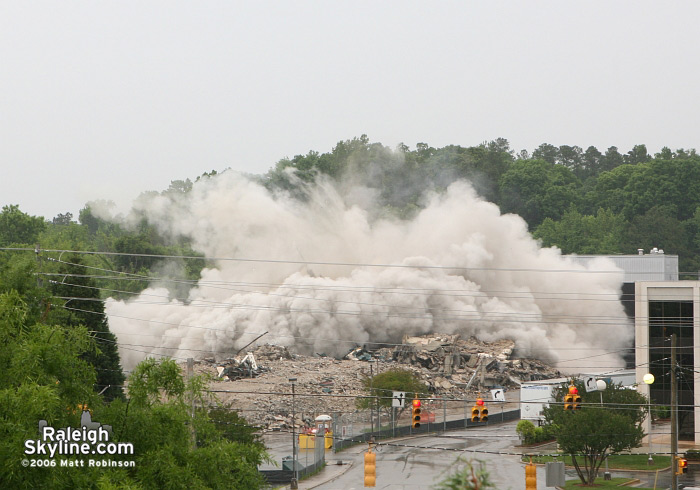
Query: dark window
[[665, 319]]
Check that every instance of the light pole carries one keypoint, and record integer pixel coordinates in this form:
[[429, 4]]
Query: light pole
[[649, 379], [294, 484], [600, 384]]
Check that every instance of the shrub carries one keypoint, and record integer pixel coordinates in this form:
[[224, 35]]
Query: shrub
[[527, 431]]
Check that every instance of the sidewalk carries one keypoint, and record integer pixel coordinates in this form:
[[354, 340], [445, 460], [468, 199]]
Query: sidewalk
[[336, 465]]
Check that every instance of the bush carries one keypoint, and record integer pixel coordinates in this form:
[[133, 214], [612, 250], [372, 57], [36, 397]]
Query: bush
[[526, 430], [381, 386], [661, 412], [534, 435]]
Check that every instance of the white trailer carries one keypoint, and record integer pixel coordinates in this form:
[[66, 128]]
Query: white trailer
[[536, 395]]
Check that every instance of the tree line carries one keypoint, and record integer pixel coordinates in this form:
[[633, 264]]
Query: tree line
[[582, 201]]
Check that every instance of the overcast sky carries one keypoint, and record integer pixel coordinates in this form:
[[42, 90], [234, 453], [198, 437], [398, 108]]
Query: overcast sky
[[105, 100]]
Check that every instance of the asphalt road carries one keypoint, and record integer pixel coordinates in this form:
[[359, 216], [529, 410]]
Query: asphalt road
[[422, 462]]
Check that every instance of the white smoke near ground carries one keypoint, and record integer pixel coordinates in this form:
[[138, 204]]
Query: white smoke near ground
[[320, 276]]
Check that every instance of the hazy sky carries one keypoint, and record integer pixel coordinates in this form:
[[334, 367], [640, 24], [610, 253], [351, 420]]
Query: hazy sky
[[104, 100]]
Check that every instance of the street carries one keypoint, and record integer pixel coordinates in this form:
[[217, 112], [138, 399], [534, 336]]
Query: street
[[411, 463]]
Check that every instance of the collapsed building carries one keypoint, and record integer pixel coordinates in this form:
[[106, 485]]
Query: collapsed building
[[258, 383]]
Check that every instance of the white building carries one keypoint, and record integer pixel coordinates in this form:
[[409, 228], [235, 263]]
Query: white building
[[663, 308]]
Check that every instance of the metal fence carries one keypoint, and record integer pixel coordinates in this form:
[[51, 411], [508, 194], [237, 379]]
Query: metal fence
[[365, 425], [352, 429], [308, 462]]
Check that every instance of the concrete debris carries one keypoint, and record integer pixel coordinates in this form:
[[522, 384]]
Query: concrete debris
[[450, 366], [238, 368], [359, 354]]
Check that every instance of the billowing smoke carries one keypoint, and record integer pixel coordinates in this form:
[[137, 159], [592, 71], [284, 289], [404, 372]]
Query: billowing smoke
[[322, 276]]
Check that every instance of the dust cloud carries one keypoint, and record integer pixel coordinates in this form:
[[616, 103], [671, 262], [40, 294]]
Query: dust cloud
[[322, 275]]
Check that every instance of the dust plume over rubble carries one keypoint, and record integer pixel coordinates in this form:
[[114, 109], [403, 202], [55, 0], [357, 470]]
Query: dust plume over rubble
[[320, 276]]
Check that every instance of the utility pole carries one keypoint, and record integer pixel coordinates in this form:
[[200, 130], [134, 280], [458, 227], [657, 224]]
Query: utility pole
[[294, 483], [674, 416], [37, 251], [379, 413], [190, 374], [371, 390]]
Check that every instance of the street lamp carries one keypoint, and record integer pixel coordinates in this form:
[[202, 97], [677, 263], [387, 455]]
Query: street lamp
[[601, 385], [649, 379], [294, 485]]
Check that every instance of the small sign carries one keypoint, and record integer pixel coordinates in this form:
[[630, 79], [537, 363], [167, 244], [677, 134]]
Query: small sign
[[591, 384], [498, 395], [398, 399], [554, 472]]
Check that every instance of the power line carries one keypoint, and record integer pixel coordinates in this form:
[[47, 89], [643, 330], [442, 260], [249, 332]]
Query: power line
[[308, 262], [468, 314]]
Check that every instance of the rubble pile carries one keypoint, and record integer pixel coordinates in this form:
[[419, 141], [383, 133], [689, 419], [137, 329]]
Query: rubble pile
[[258, 382]]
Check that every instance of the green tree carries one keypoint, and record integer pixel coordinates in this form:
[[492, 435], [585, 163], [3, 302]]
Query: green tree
[[17, 227], [636, 155], [575, 233], [536, 190], [381, 386], [43, 379], [598, 429], [591, 163], [157, 419], [83, 306], [612, 159], [546, 152]]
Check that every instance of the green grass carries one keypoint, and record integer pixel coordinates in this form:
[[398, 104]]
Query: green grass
[[600, 483], [615, 461]]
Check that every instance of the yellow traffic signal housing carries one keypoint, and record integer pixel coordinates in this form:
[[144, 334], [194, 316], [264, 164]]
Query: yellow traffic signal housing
[[475, 413], [577, 402], [484, 415], [530, 476], [370, 469], [572, 399], [415, 414], [682, 466], [568, 402]]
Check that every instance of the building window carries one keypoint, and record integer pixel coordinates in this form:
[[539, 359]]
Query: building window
[[665, 319]]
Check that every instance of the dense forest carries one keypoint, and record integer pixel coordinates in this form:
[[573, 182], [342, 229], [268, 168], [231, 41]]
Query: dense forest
[[582, 201]]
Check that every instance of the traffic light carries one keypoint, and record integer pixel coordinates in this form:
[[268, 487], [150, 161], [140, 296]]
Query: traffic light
[[682, 465], [415, 414], [568, 402], [479, 412], [370, 468], [475, 413], [572, 399], [483, 411], [484, 416], [530, 476]]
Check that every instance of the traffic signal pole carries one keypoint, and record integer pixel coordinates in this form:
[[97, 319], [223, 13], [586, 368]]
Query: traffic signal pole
[[674, 415]]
